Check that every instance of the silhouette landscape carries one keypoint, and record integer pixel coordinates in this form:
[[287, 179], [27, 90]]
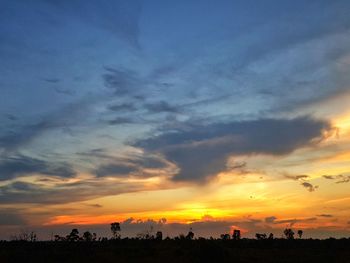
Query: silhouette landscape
[[174, 131], [151, 246]]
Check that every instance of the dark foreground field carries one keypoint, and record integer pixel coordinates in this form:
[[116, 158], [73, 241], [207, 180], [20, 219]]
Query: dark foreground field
[[131, 250]]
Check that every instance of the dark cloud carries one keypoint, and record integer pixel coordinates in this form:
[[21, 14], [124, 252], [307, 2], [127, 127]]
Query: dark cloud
[[343, 179], [94, 205], [53, 80], [17, 166], [11, 117], [161, 106], [153, 162], [64, 91], [13, 139], [325, 215], [114, 169], [329, 177], [122, 107], [10, 217], [291, 222], [65, 117], [121, 81], [270, 219], [297, 177], [309, 186], [121, 120], [134, 165], [238, 165], [61, 193], [340, 178], [96, 153], [201, 150]]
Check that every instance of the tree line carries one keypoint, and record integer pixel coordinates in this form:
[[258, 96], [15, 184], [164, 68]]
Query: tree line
[[87, 236]]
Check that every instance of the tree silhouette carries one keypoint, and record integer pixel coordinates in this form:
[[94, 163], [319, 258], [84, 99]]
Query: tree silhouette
[[289, 233], [260, 236], [87, 236], [270, 236], [300, 233], [159, 235], [115, 228], [73, 236], [225, 236], [190, 234], [24, 235], [236, 234]]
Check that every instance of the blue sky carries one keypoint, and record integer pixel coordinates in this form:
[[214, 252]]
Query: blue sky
[[135, 90]]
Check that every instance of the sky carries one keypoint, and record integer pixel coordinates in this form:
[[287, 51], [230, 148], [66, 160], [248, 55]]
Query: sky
[[175, 115]]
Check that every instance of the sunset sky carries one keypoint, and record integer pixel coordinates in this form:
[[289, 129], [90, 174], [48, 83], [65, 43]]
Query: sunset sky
[[210, 115]]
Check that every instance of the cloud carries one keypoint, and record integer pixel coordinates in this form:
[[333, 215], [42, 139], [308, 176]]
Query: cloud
[[329, 177], [121, 18], [343, 179], [121, 120], [274, 32], [114, 169], [96, 153], [53, 80], [309, 186], [94, 205], [340, 178], [201, 150], [161, 106], [67, 116], [325, 215], [10, 217], [121, 81], [122, 107], [134, 165], [297, 177], [14, 139], [64, 91], [291, 222], [18, 166], [303, 179], [11, 117], [270, 219], [63, 192]]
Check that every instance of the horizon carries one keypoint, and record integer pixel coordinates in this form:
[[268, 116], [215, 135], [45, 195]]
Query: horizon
[[187, 114]]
